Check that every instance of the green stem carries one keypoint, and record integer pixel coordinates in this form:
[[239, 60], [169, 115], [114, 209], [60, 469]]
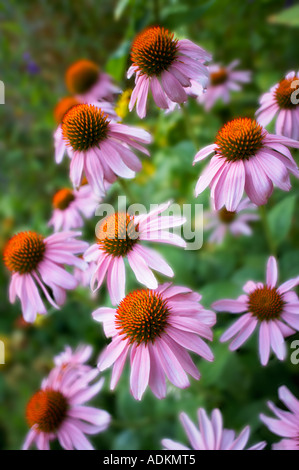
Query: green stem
[[267, 232], [189, 126]]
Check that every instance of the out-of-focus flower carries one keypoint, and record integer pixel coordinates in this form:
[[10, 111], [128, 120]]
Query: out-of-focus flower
[[85, 80], [166, 66], [287, 423], [37, 267], [156, 328], [246, 158], [70, 205], [274, 310], [31, 65], [56, 411], [98, 146], [223, 221], [84, 277], [282, 103], [121, 106], [210, 434], [223, 80], [119, 236], [76, 359], [63, 106]]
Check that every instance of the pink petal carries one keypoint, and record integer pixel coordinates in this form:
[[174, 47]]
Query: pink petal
[[272, 271], [257, 184], [142, 272], [157, 380], [227, 305], [173, 88], [242, 322], [171, 365], [111, 353], [158, 93], [264, 343], [140, 370], [243, 335], [154, 260]]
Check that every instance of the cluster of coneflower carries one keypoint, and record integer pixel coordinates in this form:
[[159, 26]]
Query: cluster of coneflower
[[158, 325]]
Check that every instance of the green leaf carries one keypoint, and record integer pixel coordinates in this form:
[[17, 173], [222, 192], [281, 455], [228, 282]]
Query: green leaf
[[287, 17], [120, 8], [280, 219], [178, 15], [116, 65]]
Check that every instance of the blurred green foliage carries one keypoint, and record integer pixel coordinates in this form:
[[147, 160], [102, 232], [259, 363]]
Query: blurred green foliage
[[264, 36]]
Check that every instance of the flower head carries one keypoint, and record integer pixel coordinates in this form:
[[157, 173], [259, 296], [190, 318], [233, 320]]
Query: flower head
[[166, 65], [281, 103], [246, 158], [36, 264], [56, 411], [223, 80], [156, 328], [85, 80], [98, 146], [286, 422], [210, 434], [121, 235], [69, 205], [273, 309], [223, 221]]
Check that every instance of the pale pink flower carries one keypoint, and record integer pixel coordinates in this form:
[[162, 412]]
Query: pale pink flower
[[99, 147], [84, 277], [56, 411], [273, 310], [166, 66], [71, 206], [223, 221], [88, 83], [120, 236], [76, 358], [62, 108], [37, 266], [210, 434], [281, 103], [155, 328], [223, 80], [247, 158], [287, 423]]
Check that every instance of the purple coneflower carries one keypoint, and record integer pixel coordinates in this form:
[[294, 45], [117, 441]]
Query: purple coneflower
[[57, 410], [281, 102], [223, 221], [88, 83], [223, 80], [71, 205], [246, 158], [37, 266], [274, 310], [98, 146], [166, 66], [155, 328], [120, 237], [286, 423], [210, 434]]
